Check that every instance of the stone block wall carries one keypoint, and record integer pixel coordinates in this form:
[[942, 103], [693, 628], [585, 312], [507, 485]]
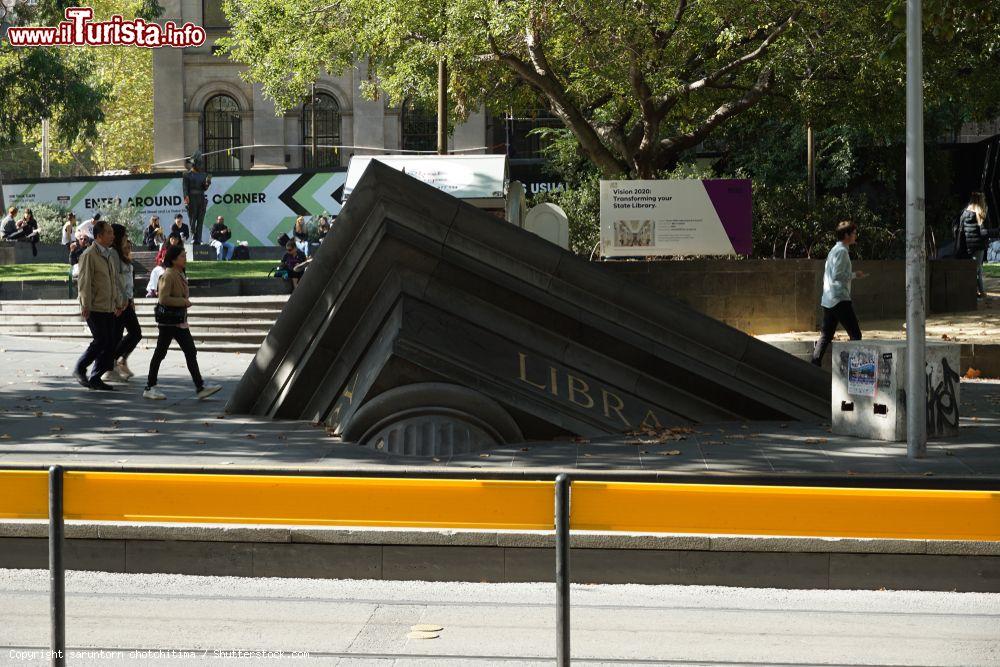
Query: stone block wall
[[761, 296], [755, 296]]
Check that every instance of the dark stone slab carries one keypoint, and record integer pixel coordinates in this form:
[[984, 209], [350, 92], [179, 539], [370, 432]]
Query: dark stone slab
[[916, 572], [318, 561], [81, 554], [233, 559], [431, 563]]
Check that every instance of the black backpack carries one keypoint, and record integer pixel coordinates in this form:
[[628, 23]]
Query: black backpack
[[241, 252], [958, 233]]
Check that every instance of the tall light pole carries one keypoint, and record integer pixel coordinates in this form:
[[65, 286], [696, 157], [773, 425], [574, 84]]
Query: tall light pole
[[916, 389], [442, 125]]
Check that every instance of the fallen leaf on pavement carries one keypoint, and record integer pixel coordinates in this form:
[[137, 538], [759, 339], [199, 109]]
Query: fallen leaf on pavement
[[972, 373]]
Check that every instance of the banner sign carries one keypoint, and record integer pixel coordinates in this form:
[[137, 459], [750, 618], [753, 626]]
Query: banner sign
[[257, 206], [480, 178], [676, 217]]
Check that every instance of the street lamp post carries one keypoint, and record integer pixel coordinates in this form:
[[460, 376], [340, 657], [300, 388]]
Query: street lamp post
[[916, 390]]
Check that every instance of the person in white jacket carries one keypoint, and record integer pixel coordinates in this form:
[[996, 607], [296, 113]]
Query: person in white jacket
[[836, 300]]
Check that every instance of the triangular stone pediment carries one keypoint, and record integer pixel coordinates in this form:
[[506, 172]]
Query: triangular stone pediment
[[474, 331]]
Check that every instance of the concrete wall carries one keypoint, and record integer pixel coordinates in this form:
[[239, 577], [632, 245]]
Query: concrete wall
[[762, 296]]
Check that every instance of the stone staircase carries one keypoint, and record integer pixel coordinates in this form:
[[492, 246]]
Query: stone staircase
[[218, 324]]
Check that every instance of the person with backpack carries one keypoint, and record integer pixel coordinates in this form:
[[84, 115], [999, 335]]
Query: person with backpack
[[836, 301], [972, 238], [172, 302]]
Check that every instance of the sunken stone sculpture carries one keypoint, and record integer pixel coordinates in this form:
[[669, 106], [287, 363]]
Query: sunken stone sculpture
[[427, 327]]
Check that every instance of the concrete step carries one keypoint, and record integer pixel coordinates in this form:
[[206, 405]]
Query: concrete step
[[254, 338], [271, 302], [208, 346], [195, 315], [147, 323]]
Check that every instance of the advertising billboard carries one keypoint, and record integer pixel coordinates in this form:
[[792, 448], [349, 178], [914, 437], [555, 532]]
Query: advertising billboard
[[258, 206]]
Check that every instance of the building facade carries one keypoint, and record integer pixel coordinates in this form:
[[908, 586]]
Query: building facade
[[201, 103]]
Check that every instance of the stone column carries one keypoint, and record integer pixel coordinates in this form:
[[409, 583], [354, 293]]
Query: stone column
[[267, 129], [369, 116], [470, 134], [168, 100]]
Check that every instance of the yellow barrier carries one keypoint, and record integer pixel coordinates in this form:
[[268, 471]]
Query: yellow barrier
[[518, 505]]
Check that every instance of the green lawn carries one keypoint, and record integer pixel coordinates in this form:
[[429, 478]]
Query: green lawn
[[254, 268], [991, 270], [12, 272]]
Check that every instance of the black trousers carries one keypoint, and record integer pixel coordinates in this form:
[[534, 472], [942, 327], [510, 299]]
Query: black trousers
[[128, 321], [196, 214], [25, 234], [101, 350], [186, 343], [842, 313]]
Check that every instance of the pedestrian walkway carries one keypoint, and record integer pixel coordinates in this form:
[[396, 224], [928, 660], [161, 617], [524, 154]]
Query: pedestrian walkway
[[977, 331], [46, 418]]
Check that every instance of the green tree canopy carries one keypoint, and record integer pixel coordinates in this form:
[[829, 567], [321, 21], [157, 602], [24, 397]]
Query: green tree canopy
[[636, 82]]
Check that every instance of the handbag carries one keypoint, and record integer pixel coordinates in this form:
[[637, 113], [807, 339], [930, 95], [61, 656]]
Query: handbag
[[168, 315]]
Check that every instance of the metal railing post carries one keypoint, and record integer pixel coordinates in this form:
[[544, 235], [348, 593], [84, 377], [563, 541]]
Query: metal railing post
[[562, 569], [57, 573]]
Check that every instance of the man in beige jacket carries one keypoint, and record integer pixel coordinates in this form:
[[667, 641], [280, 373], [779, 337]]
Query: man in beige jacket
[[100, 304]]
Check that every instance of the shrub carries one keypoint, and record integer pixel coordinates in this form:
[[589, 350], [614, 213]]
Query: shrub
[[51, 218], [785, 226]]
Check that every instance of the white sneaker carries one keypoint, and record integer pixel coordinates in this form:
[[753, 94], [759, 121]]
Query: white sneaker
[[112, 376], [123, 370], [153, 394], [207, 391]]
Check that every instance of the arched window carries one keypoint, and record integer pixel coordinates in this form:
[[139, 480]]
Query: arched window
[[327, 132], [221, 134], [419, 131]]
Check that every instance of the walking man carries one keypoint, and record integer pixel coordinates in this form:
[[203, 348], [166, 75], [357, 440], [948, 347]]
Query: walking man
[[836, 301], [100, 303]]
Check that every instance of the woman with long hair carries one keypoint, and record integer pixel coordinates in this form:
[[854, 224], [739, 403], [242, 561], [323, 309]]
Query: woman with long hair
[[127, 321], [972, 228], [173, 299], [300, 234]]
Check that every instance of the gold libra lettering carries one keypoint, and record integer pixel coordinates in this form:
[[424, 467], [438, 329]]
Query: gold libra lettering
[[579, 392]]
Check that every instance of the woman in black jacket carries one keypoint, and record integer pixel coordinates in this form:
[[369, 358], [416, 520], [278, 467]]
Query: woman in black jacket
[[973, 232]]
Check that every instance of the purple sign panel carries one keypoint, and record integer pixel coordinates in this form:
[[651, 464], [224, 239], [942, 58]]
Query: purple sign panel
[[676, 217]]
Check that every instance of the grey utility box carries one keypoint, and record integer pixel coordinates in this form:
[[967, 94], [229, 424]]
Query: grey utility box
[[869, 389]]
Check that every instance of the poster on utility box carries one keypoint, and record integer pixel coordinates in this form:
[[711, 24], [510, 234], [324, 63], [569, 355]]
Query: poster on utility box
[[676, 217], [258, 207]]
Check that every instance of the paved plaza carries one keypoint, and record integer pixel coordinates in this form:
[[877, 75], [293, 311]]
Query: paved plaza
[[45, 418]]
